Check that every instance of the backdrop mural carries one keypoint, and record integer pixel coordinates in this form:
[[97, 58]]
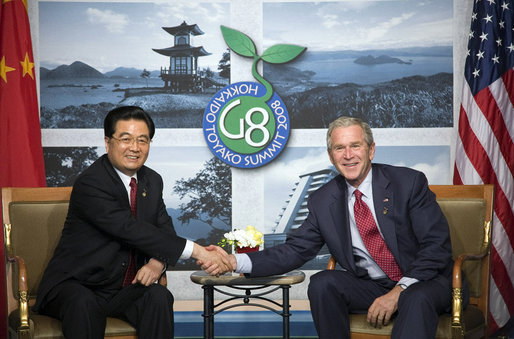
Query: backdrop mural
[[389, 62]]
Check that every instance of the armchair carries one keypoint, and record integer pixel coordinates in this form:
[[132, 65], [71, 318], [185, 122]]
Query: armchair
[[468, 209], [33, 219]]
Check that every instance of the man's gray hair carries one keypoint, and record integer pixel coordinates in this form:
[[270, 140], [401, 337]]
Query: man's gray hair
[[347, 122]]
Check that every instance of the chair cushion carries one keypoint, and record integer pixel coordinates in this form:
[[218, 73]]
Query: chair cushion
[[473, 318], [358, 324], [118, 327], [42, 326]]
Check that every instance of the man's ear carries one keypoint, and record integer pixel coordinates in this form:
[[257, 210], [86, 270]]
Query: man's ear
[[330, 156], [371, 151], [106, 140]]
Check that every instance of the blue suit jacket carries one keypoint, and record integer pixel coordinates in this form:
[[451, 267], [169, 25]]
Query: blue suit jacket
[[414, 228]]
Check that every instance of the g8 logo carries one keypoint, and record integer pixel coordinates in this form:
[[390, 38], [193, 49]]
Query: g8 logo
[[245, 131]]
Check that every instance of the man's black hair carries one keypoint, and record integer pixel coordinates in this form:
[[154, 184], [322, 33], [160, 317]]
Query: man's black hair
[[126, 113]]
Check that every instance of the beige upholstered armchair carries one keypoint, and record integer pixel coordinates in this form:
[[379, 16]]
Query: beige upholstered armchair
[[32, 222], [468, 209]]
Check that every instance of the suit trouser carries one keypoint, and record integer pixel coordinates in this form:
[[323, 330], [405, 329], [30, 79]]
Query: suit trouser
[[83, 311], [335, 294]]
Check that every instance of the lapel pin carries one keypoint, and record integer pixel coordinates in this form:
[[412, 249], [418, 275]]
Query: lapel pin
[[386, 199], [144, 193], [385, 210]]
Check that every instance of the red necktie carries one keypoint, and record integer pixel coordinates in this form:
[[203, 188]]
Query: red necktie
[[373, 240], [131, 269]]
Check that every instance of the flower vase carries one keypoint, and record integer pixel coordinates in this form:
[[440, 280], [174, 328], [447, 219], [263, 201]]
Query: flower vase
[[247, 249]]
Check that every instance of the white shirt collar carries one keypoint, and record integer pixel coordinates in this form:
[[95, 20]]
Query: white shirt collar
[[125, 178], [365, 187]]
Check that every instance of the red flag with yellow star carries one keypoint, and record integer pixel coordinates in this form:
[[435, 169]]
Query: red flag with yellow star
[[21, 154]]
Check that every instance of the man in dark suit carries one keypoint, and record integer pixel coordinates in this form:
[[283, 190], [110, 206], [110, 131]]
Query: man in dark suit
[[117, 241], [401, 269]]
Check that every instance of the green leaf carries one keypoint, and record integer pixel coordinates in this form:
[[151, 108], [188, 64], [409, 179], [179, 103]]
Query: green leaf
[[282, 53], [238, 42]]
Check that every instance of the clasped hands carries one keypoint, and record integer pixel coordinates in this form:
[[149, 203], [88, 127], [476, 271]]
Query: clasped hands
[[214, 260]]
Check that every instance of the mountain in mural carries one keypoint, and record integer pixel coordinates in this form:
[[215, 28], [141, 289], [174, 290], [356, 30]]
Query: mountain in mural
[[75, 70], [78, 69], [129, 72], [382, 59], [433, 51]]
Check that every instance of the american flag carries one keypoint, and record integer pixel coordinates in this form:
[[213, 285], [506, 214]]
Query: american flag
[[485, 149]]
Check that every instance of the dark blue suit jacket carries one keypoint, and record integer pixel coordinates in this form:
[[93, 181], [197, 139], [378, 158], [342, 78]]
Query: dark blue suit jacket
[[100, 231], [414, 228]]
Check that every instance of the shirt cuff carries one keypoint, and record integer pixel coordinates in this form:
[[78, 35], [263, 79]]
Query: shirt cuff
[[405, 282], [188, 250], [244, 263]]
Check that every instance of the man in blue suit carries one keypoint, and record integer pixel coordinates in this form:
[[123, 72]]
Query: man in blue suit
[[409, 220]]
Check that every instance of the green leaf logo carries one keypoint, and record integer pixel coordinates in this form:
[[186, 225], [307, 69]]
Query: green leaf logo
[[241, 44], [282, 53], [245, 124]]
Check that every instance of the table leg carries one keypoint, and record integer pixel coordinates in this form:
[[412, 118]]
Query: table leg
[[285, 311], [208, 312]]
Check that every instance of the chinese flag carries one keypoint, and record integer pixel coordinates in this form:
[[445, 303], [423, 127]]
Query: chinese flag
[[21, 153]]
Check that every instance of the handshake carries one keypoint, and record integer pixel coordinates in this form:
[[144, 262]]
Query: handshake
[[213, 259]]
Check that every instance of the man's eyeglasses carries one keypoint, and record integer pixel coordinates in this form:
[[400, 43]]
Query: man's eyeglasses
[[141, 141]]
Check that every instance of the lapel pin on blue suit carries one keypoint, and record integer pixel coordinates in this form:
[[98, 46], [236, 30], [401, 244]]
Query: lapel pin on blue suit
[[385, 210]]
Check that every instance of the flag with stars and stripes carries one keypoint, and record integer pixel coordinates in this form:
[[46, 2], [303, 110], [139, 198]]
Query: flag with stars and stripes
[[485, 150], [21, 154]]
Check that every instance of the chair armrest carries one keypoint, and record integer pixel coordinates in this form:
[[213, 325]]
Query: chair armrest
[[331, 264], [23, 293], [163, 280], [457, 274]]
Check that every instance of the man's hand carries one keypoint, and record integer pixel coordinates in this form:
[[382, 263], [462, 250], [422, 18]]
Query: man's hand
[[231, 259], [149, 273], [214, 262], [383, 308]]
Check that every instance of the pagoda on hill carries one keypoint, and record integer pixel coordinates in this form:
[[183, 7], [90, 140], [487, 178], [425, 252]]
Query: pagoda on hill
[[183, 73]]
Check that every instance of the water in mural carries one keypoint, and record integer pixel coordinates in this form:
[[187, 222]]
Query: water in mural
[[388, 62]]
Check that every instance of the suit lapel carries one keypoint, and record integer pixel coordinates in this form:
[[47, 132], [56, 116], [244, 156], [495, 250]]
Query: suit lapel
[[383, 199], [339, 212], [121, 190], [142, 192]]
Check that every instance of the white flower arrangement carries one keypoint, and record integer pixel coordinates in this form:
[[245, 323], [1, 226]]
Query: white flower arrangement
[[250, 237]]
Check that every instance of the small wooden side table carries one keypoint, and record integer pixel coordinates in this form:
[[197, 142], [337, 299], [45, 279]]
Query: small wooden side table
[[256, 288]]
